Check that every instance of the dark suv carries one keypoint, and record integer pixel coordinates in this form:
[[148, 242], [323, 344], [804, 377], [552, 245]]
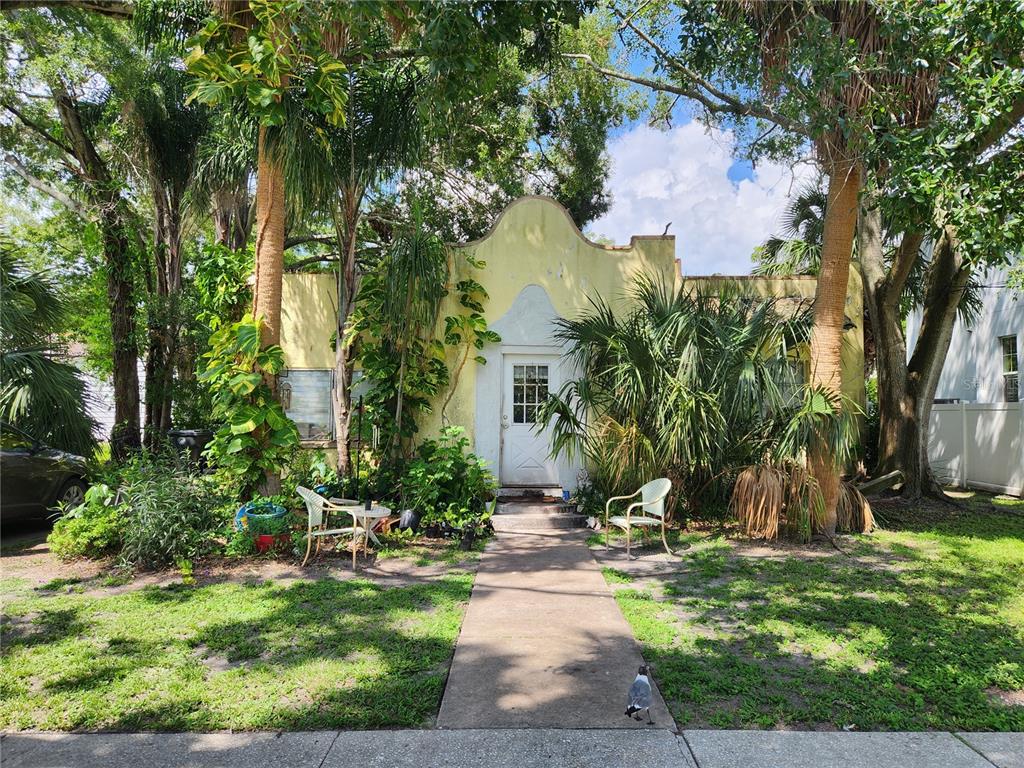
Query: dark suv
[[34, 477]]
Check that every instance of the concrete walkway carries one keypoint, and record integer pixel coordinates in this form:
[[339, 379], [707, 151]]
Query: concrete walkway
[[513, 748], [543, 644]]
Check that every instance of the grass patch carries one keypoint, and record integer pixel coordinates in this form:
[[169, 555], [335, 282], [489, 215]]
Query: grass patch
[[424, 552], [643, 538], [615, 576], [304, 655], [921, 628]]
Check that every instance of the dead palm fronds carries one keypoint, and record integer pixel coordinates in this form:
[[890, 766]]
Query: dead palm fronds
[[768, 498], [759, 500], [853, 511]]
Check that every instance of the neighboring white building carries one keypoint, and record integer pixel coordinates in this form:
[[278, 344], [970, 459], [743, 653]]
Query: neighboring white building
[[983, 364], [976, 433]]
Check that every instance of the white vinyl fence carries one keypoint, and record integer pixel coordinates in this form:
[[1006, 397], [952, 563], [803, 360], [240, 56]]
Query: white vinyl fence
[[978, 445]]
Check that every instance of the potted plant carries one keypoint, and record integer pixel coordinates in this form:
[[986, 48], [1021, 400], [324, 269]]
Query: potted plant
[[269, 532]]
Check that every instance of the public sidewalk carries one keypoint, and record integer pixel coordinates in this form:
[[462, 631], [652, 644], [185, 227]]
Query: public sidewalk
[[515, 748], [543, 643]]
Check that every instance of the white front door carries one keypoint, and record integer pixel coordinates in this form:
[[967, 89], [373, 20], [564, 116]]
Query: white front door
[[526, 381]]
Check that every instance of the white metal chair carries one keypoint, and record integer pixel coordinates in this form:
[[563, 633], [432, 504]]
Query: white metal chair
[[318, 511], [652, 500]]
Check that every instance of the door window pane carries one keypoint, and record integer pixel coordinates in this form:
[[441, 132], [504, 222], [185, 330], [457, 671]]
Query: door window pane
[[529, 390]]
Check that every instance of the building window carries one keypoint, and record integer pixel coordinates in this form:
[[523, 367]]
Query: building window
[[529, 391], [306, 397], [1011, 381]]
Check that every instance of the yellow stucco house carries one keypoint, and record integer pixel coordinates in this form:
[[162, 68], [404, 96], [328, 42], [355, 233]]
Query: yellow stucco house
[[539, 268]]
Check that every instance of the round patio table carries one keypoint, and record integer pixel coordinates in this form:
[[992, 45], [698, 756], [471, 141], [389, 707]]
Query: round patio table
[[364, 519]]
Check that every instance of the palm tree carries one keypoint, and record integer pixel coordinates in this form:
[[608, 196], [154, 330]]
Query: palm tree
[[168, 131], [691, 384], [797, 251], [225, 164], [39, 393], [381, 135], [846, 101], [415, 270]]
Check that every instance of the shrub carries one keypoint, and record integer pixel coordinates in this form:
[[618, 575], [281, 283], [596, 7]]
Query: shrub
[[169, 514], [309, 469], [155, 512], [92, 529], [446, 484]]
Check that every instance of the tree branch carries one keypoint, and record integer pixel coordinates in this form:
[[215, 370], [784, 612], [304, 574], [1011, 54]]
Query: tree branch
[[47, 189], [1001, 127], [38, 128], [116, 8], [725, 104], [291, 242], [906, 256], [297, 265]]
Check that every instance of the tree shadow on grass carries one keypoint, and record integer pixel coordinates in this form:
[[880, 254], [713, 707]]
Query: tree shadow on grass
[[50, 625], [324, 654], [830, 642]]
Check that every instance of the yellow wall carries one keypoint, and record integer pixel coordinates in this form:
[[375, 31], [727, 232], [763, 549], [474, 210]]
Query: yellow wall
[[535, 242], [309, 315]]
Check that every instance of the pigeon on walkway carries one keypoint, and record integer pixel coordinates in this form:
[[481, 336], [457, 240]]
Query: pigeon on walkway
[[640, 696]]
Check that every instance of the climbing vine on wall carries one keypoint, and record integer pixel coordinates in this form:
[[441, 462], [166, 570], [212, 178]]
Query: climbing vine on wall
[[467, 330], [413, 364]]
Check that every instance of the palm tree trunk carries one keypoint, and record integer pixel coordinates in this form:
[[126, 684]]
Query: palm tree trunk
[[115, 231], [829, 315], [270, 224], [124, 436]]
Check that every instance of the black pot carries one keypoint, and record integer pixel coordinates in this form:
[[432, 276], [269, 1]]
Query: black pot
[[191, 441], [408, 520]]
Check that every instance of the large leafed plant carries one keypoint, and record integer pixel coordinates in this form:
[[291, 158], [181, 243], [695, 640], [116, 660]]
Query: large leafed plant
[[257, 437]]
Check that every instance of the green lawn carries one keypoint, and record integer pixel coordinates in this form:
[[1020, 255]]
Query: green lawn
[[301, 655], [921, 627]]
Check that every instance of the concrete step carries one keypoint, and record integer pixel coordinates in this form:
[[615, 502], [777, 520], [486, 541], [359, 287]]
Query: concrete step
[[535, 517], [527, 492], [529, 508]]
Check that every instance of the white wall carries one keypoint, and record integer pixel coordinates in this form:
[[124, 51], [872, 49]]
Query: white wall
[[978, 445], [974, 366], [528, 326]]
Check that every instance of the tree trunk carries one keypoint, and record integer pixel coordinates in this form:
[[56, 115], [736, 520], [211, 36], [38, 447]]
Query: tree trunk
[[270, 224], [947, 279], [829, 316], [899, 432], [347, 289], [124, 436], [269, 267], [163, 323], [114, 223]]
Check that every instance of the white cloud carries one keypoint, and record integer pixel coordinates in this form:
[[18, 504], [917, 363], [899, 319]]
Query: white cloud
[[680, 176]]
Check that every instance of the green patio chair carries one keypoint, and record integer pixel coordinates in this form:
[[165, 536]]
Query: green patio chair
[[652, 501], [318, 512]]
